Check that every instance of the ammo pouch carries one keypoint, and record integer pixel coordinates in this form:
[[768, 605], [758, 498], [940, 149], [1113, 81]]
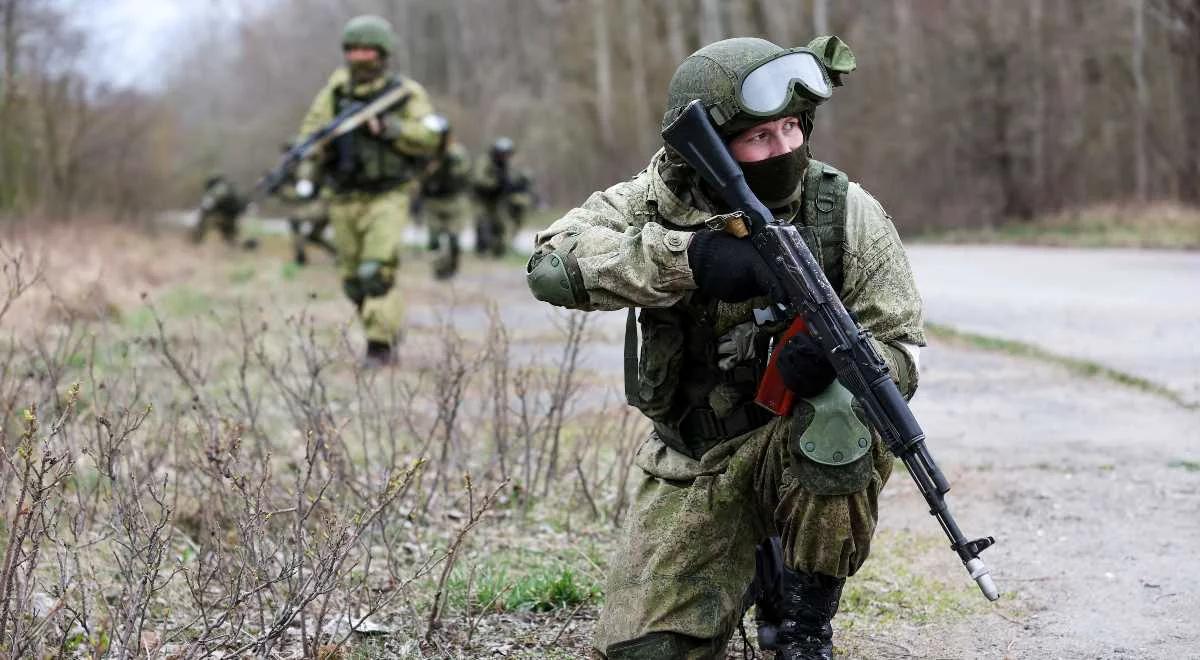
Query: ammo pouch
[[652, 379], [831, 443]]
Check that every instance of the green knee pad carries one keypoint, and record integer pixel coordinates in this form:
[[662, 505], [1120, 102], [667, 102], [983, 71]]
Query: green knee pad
[[658, 646], [375, 278]]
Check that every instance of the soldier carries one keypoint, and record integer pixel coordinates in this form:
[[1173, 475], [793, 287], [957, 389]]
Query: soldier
[[370, 171], [720, 474], [220, 208], [444, 200], [504, 194], [308, 216]]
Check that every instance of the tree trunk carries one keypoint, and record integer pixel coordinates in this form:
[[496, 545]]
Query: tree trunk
[[602, 63], [1141, 176], [710, 21]]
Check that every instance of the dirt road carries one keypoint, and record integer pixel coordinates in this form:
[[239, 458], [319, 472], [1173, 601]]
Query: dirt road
[[1134, 310], [1091, 488]]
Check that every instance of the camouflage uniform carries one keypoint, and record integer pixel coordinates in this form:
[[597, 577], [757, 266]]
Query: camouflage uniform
[[718, 476], [307, 218], [445, 204], [371, 177], [219, 208], [503, 193]]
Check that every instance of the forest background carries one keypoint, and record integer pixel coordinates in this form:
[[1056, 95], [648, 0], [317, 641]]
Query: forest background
[[962, 113]]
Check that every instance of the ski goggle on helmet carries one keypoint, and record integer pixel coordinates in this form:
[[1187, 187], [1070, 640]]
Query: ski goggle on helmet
[[768, 87]]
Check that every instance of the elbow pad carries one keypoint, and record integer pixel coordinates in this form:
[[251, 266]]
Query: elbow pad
[[555, 278]]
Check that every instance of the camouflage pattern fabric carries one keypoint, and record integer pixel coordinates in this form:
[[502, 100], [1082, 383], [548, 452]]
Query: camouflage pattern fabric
[[688, 552], [220, 208], [503, 198], [370, 228], [403, 129]]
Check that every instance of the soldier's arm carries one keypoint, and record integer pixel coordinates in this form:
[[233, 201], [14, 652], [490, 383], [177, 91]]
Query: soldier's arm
[[319, 114], [601, 257], [879, 288], [406, 128]]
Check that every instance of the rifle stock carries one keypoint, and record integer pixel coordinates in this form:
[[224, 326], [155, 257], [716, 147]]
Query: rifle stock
[[811, 298]]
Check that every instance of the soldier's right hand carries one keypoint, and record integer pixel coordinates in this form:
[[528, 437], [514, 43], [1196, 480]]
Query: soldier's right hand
[[729, 269], [305, 189]]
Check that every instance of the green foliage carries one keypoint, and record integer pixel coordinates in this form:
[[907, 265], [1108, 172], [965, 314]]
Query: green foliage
[[522, 581], [179, 302], [893, 586], [1190, 466], [242, 274], [289, 270]]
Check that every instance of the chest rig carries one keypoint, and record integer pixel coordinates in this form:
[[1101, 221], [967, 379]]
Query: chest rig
[[361, 161], [672, 375]]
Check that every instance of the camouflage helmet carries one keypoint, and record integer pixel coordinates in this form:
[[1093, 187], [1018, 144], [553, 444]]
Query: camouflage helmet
[[713, 75], [370, 31]]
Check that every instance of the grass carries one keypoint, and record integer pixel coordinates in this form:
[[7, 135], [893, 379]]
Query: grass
[[1076, 365], [1190, 466], [1154, 225], [523, 581]]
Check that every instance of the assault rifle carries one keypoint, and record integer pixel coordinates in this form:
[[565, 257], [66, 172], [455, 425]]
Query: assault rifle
[[817, 309], [349, 119]]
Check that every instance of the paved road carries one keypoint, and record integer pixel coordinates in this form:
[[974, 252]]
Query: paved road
[[1133, 310]]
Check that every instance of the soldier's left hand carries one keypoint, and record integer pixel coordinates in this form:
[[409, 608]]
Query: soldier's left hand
[[803, 366], [375, 125]]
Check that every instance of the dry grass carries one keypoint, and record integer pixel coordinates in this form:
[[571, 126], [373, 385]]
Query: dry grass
[[1160, 225], [206, 469]]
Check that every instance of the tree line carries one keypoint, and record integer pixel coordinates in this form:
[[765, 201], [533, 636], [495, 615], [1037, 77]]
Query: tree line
[[962, 113]]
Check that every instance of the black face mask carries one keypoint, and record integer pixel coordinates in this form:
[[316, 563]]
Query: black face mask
[[776, 179], [365, 72]]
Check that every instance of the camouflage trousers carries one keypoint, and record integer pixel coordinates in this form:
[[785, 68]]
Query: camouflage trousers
[[687, 558], [497, 225], [446, 217], [369, 228], [224, 223]]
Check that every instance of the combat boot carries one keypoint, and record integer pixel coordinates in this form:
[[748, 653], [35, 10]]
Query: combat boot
[[798, 625], [793, 609], [379, 354]]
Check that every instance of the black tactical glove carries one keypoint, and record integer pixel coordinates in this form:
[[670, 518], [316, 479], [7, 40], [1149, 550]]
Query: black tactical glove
[[803, 366], [728, 268]]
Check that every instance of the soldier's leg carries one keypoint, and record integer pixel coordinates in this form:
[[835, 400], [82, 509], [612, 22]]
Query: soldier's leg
[[316, 234], [826, 517], [298, 240], [503, 232], [677, 585], [227, 224], [202, 225], [345, 214], [383, 226]]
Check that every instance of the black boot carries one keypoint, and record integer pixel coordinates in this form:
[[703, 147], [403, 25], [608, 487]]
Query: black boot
[[794, 608], [379, 354]]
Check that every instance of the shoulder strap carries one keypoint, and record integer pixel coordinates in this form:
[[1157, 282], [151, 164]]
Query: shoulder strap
[[824, 211]]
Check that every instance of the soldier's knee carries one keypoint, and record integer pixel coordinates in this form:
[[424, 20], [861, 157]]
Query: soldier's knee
[[375, 278], [662, 646]]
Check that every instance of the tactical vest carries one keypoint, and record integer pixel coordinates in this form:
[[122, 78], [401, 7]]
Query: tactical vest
[[674, 378], [361, 161], [444, 181]]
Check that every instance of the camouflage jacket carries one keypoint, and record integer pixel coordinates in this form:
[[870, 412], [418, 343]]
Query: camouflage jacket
[[450, 175], [630, 245], [493, 185], [403, 144]]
